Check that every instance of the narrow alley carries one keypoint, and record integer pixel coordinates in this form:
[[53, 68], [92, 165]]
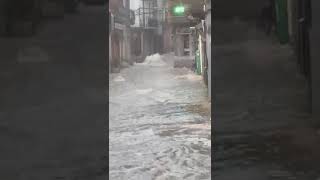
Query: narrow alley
[[159, 122], [159, 100]]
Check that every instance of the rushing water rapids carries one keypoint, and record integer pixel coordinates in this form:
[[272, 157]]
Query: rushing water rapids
[[159, 123]]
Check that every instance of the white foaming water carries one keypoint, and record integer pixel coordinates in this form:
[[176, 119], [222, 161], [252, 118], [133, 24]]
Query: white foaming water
[[154, 60], [162, 96], [119, 79], [191, 77], [152, 133], [144, 91]]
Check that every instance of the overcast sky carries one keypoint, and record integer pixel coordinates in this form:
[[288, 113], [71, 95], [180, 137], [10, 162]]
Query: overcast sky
[[134, 4]]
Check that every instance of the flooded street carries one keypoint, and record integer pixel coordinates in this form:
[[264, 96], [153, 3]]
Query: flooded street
[[159, 122]]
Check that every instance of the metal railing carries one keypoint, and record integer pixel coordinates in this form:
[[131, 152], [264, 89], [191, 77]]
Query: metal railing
[[150, 17]]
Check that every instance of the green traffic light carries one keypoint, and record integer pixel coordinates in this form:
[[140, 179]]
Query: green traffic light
[[178, 10]]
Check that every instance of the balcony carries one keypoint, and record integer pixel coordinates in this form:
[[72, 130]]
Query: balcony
[[122, 16], [149, 18]]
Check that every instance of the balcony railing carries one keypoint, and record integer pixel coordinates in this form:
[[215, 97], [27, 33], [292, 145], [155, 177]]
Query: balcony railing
[[122, 16], [150, 17]]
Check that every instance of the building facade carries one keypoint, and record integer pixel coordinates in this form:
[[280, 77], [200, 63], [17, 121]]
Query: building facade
[[188, 35], [119, 35], [148, 27], [178, 27]]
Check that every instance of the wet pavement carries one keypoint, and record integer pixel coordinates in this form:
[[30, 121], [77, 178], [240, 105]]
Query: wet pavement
[[159, 123], [261, 122]]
